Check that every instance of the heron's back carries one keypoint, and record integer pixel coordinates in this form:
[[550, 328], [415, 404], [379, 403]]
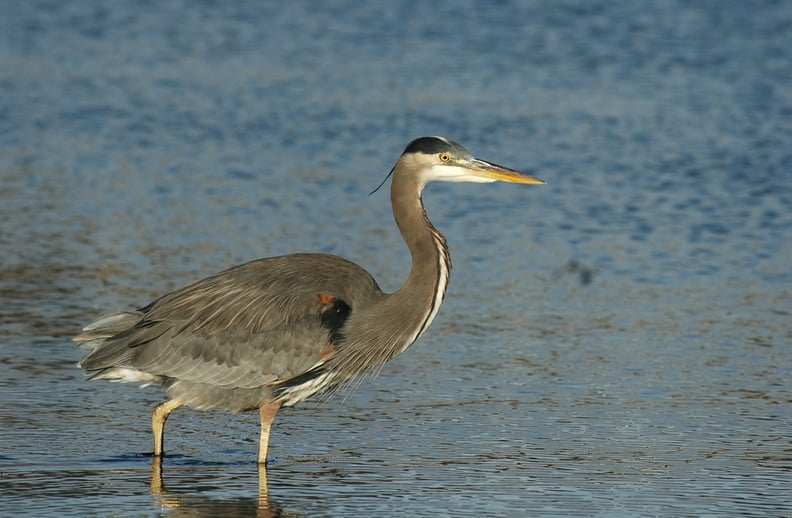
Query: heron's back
[[230, 339]]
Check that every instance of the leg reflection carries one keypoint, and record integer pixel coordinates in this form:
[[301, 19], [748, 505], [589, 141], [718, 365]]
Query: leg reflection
[[263, 504], [265, 507], [157, 488]]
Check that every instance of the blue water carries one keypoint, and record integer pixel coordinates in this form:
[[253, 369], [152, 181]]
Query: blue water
[[615, 343]]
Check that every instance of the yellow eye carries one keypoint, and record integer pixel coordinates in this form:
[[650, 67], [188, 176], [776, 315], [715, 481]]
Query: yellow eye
[[444, 157]]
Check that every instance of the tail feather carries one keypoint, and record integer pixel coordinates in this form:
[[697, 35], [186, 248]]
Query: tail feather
[[94, 336], [109, 325]]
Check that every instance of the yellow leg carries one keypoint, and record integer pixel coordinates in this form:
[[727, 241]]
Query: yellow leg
[[158, 419], [267, 411]]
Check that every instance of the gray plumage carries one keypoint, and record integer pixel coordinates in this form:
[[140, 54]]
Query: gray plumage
[[229, 340], [273, 332]]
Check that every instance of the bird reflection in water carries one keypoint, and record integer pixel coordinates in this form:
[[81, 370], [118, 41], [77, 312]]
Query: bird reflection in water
[[199, 505]]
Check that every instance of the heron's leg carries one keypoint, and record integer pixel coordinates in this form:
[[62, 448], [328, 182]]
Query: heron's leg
[[267, 412], [158, 419]]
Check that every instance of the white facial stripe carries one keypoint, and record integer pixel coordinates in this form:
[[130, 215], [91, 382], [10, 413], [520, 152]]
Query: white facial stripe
[[450, 173]]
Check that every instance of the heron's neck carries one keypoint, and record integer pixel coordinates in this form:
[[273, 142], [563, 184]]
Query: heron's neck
[[425, 288], [374, 334]]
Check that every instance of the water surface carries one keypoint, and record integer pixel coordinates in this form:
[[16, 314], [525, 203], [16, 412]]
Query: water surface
[[617, 342]]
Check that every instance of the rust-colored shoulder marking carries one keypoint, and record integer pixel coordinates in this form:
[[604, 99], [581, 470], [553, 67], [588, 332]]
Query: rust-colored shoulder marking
[[324, 299]]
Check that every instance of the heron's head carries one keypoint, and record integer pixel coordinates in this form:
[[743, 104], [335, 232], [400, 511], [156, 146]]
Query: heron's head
[[439, 159]]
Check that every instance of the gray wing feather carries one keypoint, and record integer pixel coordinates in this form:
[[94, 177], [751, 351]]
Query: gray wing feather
[[245, 327]]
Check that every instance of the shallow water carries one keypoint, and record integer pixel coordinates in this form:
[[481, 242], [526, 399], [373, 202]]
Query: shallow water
[[617, 342]]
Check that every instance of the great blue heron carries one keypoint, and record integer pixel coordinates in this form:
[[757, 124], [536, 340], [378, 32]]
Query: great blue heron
[[273, 332]]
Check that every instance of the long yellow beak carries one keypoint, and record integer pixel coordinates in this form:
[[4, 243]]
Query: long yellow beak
[[496, 172]]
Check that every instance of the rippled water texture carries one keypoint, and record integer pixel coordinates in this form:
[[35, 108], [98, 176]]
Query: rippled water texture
[[617, 342]]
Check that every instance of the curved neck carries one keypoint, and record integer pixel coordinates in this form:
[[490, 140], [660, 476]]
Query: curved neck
[[385, 328], [423, 292]]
